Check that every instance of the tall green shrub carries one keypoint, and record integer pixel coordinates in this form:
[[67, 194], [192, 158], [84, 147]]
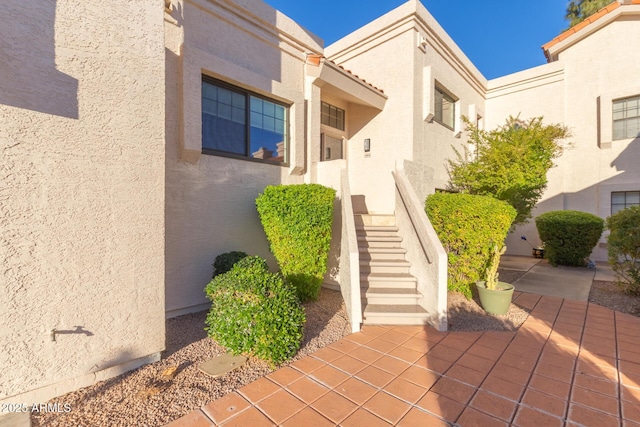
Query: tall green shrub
[[469, 227], [297, 221], [568, 236], [624, 248], [255, 311]]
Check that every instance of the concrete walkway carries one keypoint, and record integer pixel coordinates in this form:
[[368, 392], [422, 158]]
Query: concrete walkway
[[570, 364]]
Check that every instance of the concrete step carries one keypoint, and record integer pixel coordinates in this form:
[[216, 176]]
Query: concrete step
[[390, 296], [392, 266], [386, 280], [391, 241], [379, 314], [374, 220], [367, 229], [382, 253]]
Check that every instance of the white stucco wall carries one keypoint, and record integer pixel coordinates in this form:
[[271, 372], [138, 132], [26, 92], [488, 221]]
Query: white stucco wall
[[82, 194], [211, 199]]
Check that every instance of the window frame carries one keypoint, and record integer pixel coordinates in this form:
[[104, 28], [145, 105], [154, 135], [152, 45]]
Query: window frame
[[247, 139], [338, 110], [624, 119], [441, 94], [625, 204]]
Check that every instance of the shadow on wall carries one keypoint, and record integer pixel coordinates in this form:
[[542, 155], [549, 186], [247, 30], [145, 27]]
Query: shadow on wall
[[28, 75], [595, 199]]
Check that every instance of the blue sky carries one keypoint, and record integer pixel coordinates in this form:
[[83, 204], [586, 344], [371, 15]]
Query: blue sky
[[499, 36]]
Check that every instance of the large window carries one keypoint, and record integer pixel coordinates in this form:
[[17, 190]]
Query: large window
[[445, 108], [624, 199], [239, 123], [332, 116], [626, 118]]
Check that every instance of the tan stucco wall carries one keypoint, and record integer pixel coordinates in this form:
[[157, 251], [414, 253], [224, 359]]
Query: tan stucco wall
[[590, 73], [210, 199], [82, 211]]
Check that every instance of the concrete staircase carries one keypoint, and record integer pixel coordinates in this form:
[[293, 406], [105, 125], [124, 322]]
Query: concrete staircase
[[389, 294]]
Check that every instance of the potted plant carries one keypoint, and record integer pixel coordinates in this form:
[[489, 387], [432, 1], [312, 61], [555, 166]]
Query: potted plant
[[495, 296]]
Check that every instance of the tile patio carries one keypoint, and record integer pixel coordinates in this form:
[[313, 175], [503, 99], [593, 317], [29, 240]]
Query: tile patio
[[570, 364]]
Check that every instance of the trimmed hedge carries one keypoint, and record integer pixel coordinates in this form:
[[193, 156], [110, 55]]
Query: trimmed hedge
[[568, 236], [255, 311], [624, 248], [224, 262], [469, 227], [297, 221]]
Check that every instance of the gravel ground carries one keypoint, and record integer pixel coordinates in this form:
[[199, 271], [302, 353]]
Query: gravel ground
[[158, 393]]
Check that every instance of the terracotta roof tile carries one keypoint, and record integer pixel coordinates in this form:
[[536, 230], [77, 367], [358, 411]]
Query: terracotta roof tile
[[591, 19], [315, 60]]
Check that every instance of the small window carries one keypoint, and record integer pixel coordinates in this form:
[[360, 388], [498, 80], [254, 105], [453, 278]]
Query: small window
[[332, 116], [445, 108], [624, 199], [626, 118], [239, 123]]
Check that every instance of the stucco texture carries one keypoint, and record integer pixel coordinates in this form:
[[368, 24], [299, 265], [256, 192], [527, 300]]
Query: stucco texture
[[82, 200]]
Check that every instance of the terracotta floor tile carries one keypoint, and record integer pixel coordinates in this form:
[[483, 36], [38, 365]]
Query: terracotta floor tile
[[485, 352], [374, 376], [591, 332], [431, 335], [466, 375], [418, 344], [629, 367], [307, 390], [444, 352], [473, 418], [550, 386], [533, 341], [308, 417], [259, 389], [589, 417], [527, 301], [192, 419], [452, 341], [285, 376], [630, 394], [250, 417], [381, 345], [395, 336], [361, 418], [595, 400], [226, 407], [389, 408], [453, 389], [545, 403], [629, 379], [406, 354], [422, 377], [391, 364], [411, 330], [326, 354], [565, 361], [511, 374], [405, 390], [502, 387], [607, 349], [433, 363], [497, 340], [365, 354], [520, 362], [307, 365], [355, 390], [417, 418], [329, 376], [476, 362], [441, 406], [608, 373], [631, 411], [555, 372], [528, 417], [599, 385], [493, 405], [334, 407], [349, 364], [344, 345], [280, 406], [375, 330], [359, 338]]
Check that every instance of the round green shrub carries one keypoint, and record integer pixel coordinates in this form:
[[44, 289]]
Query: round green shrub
[[255, 311], [297, 221], [624, 248], [568, 236], [469, 226], [224, 262]]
